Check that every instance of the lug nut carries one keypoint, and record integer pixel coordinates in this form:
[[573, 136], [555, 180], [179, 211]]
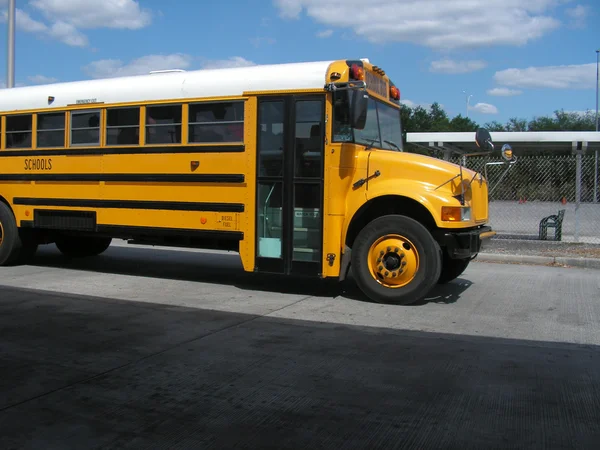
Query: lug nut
[[389, 249], [381, 253], [378, 260], [387, 274], [403, 263], [396, 250], [380, 268], [394, 275]]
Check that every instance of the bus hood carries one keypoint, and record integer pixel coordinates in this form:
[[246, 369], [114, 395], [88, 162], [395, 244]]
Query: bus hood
[[427, 171]]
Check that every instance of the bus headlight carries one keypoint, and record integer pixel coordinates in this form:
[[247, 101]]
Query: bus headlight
[[456, 214]]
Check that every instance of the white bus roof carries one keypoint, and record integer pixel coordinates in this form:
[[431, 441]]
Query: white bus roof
[[169, 85]]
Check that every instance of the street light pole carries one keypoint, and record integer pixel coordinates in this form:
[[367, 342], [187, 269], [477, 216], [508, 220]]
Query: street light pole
[[10, 66], [468, 100]]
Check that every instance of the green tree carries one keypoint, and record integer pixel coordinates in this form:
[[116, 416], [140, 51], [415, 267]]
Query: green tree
[[564, 121], [462, 124], [495, 126]]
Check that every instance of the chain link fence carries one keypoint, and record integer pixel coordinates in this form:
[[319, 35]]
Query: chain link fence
[[539, 186]]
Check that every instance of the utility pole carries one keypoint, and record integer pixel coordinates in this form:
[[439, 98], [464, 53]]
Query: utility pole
[[10, 77]]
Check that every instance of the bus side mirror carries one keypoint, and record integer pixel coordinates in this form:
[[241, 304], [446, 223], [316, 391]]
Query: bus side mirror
[[483, 139], [358, 109]]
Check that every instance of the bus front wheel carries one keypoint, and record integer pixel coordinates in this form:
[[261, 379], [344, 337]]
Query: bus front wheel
[[396, 260], [82, 246], [452, 268]]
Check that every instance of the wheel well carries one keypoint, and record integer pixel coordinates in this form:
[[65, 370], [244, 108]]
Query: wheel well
[[384, 205], [3, 200]]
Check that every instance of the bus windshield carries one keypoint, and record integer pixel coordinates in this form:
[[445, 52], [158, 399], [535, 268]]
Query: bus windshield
[[382, 129]]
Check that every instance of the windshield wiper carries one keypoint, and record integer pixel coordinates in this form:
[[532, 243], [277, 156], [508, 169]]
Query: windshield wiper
[[392, 144], [371, 143]]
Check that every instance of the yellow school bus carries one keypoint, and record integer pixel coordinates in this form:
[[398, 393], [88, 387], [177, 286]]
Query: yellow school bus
[[298, 167]]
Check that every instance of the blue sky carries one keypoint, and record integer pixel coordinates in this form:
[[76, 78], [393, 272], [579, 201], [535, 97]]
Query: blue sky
[[516, 58]]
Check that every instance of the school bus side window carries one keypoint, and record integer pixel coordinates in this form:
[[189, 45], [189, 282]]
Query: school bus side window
[[216, 122], [163, 124], [51, 130], [123, 126], [18, 131], [85, 127]]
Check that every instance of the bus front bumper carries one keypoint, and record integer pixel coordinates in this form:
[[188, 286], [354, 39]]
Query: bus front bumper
[[464, 244]]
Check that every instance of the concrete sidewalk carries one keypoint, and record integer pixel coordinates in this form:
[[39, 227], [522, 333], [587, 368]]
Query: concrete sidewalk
[[551, 253]]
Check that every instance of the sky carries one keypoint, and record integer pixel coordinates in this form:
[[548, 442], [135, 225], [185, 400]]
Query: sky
[[492, 59]]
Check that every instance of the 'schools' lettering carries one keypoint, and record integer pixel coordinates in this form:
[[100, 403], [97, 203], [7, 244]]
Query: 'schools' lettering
[[38, 164]]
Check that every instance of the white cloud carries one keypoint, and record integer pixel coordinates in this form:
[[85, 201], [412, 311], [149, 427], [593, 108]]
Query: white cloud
[[484, 108], [125, 14], [325, 33], [456, 67], [578, 14], [582, 113], [504, 92], [68, 34], [439, 24], [110, 68], [41, 79], [65, 18], [409, 103], [26, 23], [234, 61], [575, 76]]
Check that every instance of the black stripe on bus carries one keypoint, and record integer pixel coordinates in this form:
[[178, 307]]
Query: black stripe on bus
[[175, 232], [125, 151], [132, 231], [127, 177], [130, 204]]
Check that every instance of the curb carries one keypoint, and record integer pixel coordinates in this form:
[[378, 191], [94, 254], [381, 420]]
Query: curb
[[587, 263]]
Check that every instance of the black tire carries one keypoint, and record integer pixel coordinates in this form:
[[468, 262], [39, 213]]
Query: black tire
[[10, 240], [425, 274], [452, 268], [29, 246], [17, 246], [82, 246]]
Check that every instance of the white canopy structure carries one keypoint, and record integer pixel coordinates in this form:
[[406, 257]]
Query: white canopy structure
[[521, 141]]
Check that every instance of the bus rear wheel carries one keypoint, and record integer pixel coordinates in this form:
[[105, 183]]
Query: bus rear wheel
[[82, 246], [396, 260], [16, 246]]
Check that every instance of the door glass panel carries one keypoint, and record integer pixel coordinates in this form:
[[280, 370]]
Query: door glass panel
[[370, 133], [270, 139], [307, 222], [270, 219], [309, 141]]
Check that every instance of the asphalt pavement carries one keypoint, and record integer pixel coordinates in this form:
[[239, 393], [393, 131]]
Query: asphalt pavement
[[156, 348]]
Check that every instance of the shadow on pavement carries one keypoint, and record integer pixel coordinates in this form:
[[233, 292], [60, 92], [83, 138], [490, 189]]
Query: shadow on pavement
[[84, 372], [218, 268]]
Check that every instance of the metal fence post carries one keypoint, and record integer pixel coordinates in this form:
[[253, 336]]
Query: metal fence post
[[596, 177], [579, 149]]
